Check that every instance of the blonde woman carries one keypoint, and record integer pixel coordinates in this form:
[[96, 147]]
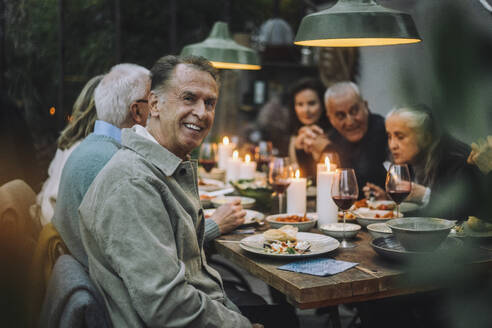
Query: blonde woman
[[81, 125]]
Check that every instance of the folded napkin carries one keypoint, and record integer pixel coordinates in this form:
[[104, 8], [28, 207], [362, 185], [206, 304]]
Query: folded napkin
[[318, 267]]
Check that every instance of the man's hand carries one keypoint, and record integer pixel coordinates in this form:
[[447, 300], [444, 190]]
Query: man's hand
[[229, 216], [481, 155]]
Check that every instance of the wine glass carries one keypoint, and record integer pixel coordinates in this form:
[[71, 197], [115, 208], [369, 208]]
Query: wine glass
[[279, 174], [263, 154], [344, 192], [398, 184], [208, 156]]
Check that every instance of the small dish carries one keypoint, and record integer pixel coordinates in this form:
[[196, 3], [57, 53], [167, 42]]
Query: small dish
[[246, 202], [301, 226], [378, 230], [336, 230]]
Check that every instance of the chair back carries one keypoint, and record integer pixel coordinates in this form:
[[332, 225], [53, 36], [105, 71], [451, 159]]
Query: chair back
[[18, 235], [49, 248], [72, 300]]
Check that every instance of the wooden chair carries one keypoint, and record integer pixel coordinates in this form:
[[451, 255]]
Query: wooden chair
[[18, 235]]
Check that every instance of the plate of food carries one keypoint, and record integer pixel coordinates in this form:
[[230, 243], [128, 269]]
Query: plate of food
[[475, 228], [256, 189], [246, 202], [384, 205], [210, 184], [252, 217], [303, 221], [287, 242], [365, 216]]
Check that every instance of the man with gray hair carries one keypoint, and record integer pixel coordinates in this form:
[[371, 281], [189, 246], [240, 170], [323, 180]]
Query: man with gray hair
[[141, 220], [121, 102], [358, 136]]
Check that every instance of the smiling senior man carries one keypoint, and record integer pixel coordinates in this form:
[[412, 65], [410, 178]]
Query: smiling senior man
[[141, 220], [358, 136]]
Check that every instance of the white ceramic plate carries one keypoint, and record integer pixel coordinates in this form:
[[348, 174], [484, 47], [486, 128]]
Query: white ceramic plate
[[210, 184], [251, 216], [246, 202], [320, 244]]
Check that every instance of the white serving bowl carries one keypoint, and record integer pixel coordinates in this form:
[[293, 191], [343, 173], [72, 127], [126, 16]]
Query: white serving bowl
[[301, 226], [379, 230], [336, 230]]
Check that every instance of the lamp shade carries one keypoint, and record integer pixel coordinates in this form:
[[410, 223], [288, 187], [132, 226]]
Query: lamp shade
[[222, 51], [356, 23]]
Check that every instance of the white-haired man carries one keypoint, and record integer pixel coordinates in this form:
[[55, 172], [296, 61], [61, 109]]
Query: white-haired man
[[358, 136], [121, 102]]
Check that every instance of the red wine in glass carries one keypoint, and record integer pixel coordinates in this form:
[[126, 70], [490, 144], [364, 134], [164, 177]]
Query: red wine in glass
[[344, 202], [208, 156], [280, 186], [208, 164], [398, 184], [344, 192], [398, 196], [279, 174]]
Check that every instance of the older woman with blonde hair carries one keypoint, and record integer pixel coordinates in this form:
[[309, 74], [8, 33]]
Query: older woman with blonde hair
[[81, 124], [443, 180]]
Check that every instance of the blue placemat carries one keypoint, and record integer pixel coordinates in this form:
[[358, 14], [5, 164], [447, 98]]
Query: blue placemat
[[318, 267]]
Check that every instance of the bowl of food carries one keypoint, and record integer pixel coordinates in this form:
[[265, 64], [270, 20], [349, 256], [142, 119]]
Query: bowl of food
[[336, 230], [246, 202], [379, 230], [366, 216], [301, 221], [256, 189], [420, 234]]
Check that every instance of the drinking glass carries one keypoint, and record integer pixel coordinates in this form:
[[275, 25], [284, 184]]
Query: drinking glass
[[263, 155], [279, 175], [344, 191], [398, 184], [208, 156]]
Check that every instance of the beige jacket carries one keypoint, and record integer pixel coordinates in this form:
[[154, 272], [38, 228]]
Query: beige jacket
[[142, 226]]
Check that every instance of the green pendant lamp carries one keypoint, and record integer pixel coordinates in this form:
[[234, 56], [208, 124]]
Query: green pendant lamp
[[222, 51], [356, 23]]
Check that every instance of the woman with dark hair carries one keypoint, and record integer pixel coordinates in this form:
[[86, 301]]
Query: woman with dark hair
[[443, 180], [81, 124], [307, 119]]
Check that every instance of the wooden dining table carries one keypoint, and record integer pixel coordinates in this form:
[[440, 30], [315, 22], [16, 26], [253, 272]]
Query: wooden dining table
[[373, 278]]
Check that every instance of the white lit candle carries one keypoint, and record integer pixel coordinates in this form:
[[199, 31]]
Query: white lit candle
[[325, 206], [225, 152], [296, 195], [233, 167], [248, 168]]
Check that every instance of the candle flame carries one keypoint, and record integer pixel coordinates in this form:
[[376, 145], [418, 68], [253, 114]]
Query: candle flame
[[225, 140], [235, 155], [247, 158], [52, 111], [298, 174], [327, 163]]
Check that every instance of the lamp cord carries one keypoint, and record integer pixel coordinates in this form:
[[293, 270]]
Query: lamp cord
[[486, 5]]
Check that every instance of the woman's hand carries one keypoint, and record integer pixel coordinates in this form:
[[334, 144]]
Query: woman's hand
[[229, 216], [305, 135], [372, 190]]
